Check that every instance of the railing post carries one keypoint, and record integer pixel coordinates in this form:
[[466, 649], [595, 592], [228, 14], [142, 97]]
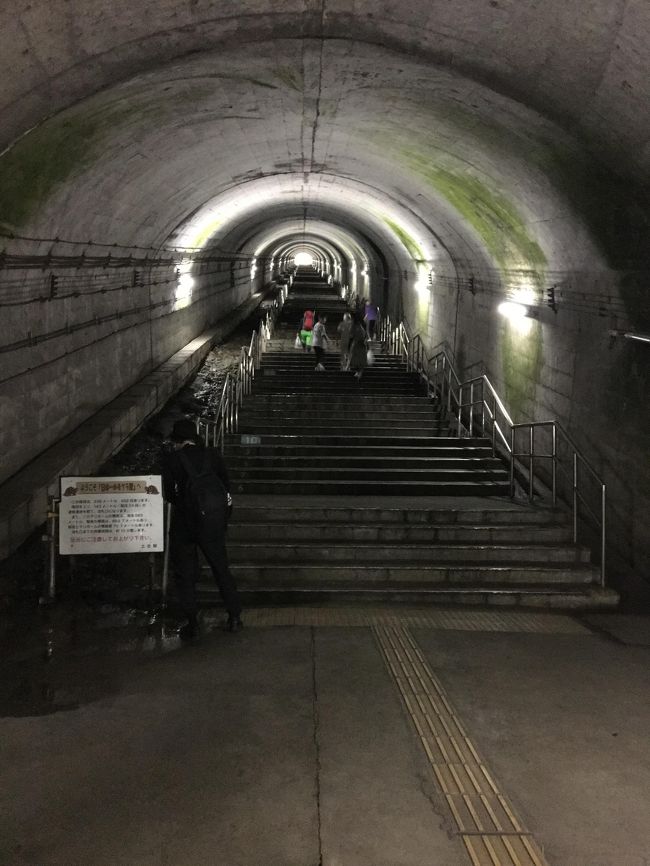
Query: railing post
[[471, 409], [49, 596], [554, 463], [482, 407], [531, 463], [494, 426], [603, 535], [512, 462], [460, 409], [575, 498], [165, 571]]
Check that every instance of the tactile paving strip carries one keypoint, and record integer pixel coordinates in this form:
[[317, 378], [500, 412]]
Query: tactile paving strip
[[487, 824], [461, 620]]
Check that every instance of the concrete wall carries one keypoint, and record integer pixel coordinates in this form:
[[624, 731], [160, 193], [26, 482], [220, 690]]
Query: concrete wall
[[50, 388], [562, 365]]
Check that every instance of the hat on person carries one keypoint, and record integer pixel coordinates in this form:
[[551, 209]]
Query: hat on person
[[184, 430]]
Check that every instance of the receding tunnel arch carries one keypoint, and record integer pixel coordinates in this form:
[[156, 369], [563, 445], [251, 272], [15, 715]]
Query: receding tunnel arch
[[464, 154]]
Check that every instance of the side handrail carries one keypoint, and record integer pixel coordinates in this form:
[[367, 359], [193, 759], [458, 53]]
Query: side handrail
[[238, 383], [573, 477], [478, 410]]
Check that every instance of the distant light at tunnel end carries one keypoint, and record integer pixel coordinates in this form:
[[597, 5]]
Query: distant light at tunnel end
[[303, 260]]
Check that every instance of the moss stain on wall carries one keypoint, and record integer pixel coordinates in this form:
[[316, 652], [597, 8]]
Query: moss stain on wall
[[290, 76], [40, 162], [409, 243], [64, 146], [494, 218], [522, 358]]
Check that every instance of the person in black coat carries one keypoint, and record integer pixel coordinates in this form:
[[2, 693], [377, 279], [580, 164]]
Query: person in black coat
[[191, 530]]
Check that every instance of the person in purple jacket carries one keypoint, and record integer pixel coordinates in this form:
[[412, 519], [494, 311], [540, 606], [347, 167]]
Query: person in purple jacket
[[371, 318]]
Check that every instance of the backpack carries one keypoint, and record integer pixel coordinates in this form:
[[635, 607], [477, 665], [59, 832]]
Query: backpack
[[308, 320], [204, 495]]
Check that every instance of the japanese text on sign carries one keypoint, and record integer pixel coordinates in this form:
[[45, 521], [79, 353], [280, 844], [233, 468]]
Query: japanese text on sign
[[111, 515]]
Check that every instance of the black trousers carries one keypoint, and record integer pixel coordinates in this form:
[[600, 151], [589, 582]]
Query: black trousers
[[184, 545]]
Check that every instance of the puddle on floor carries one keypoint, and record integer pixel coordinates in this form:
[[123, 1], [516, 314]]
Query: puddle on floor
[[62, 659]]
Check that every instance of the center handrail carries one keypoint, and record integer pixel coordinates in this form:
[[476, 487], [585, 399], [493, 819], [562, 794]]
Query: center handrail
[[238, 383], [477, 410]]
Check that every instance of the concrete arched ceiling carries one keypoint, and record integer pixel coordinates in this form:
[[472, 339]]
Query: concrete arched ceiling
[[480, 119]]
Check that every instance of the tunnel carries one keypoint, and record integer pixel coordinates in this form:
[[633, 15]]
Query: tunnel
[[477, 169], [457, 158]]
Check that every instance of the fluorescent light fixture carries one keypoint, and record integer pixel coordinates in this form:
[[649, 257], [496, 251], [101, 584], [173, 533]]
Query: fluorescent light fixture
[[185, 285], [513, 311], [629, 335]]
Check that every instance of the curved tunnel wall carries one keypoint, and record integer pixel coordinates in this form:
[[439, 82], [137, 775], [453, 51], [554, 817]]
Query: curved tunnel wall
[[469, 161]]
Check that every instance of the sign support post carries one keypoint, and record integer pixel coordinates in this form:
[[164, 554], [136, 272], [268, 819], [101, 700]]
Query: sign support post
[[49, 596]]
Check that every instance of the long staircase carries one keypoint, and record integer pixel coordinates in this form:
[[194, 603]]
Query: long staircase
[[357, 490]]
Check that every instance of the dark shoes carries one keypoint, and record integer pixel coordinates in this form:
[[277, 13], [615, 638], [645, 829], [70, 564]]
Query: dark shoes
[[190, 633], [234, 623]]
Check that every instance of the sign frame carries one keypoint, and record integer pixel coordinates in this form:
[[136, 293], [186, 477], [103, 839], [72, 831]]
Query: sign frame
[[111, 514]]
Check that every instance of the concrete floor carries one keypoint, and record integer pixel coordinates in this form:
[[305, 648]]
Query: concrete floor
[[290, 745]]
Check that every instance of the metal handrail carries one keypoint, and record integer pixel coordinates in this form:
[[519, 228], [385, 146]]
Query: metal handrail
[[478, 410], [239, 384]]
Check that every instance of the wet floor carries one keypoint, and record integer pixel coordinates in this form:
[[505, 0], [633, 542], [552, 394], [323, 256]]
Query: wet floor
[[63, 657]]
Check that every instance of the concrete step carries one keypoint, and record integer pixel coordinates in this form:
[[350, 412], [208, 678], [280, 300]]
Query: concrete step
[[378, 474], [391, 533], [342, 427], [367, 487], [254, 412], [334, 375], [369, 464], [342, 453], [372, 555], [297, 402], [568, 598], [411, 575], [234, 450], [330, 415], [311, 511], [349, 428], [366, 385], [298, 359], [305, 370], [361, 440]]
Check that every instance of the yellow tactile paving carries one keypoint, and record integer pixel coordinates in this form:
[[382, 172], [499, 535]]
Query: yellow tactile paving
[[501, 621], [492, 833]]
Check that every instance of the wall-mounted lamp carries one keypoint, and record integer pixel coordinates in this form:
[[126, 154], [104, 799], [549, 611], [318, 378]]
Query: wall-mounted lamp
[[629, 335], [515, 312]]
